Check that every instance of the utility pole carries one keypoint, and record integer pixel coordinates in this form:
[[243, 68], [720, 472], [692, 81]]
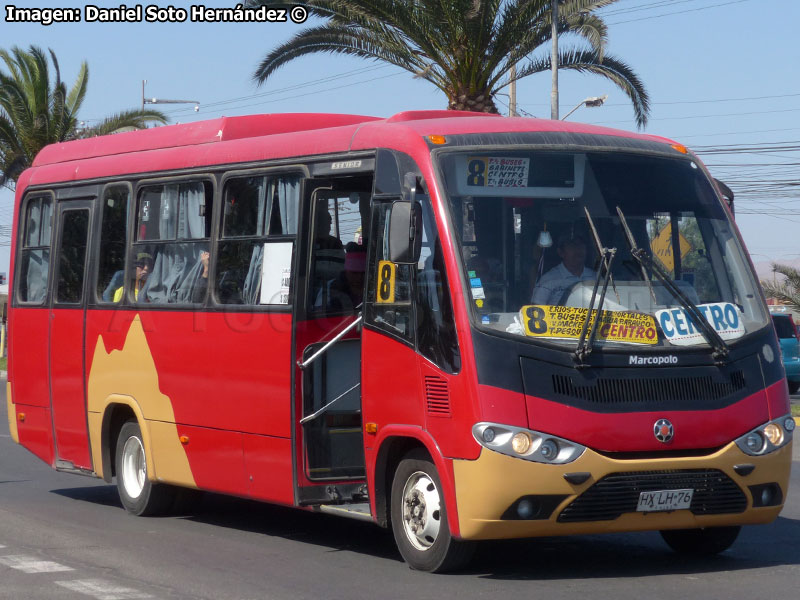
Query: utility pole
[[554, 62], [512, 92]]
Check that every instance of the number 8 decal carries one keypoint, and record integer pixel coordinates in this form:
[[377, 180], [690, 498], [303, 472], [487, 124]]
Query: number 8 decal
[[386, 277]]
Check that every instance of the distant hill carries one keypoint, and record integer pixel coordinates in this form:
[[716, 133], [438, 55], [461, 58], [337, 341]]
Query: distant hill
[[764, 268]]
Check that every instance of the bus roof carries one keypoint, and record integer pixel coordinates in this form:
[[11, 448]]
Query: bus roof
[[370, 131]]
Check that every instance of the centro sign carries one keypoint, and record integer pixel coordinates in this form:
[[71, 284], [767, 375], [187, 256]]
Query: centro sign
[[680, 329]]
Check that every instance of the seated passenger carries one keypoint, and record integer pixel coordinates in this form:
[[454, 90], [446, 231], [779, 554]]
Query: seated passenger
[[144, 266], [346, 292], [551, 286]]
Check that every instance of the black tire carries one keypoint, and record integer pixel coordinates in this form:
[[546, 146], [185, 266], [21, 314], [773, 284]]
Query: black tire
[[138, 494], [701, 542], [793, 386], [433, 549]]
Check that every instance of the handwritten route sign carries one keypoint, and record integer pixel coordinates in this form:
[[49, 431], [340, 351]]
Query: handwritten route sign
[[566, 322]]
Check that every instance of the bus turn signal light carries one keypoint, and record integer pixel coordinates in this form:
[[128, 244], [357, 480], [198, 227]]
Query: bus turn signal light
[[437, 139], [680, 148], [184, 439], [371, 428], [21, 417]]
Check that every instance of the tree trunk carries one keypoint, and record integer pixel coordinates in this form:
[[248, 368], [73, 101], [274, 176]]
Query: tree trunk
[[476, 102]]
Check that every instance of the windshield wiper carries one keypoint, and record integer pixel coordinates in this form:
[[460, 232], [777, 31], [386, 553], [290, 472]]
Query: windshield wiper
[[585, 345], [720, 348]]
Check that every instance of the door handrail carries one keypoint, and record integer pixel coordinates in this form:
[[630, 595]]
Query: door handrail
[[313, 416], [303, 364]]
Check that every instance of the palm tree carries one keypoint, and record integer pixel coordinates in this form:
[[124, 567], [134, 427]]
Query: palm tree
[[35, 112], [466, 48], [786, 291]]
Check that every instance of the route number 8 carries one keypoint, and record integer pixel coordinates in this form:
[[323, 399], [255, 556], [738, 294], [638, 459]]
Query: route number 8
[[534, 320], [386, 279]]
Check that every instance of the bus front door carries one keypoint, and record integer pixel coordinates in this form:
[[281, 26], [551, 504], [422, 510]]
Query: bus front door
[[328, 385], [66, 348]]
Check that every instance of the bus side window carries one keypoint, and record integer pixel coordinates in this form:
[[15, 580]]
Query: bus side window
[[113, 242], [390, 312], [35, 259], [172, 243], [436, 327], [258, 210]]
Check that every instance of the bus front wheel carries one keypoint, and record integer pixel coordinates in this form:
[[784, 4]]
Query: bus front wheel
[[419, 518], [701, 542], [138, 494]]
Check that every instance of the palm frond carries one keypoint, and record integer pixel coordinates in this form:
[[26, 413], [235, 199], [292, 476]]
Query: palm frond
[[609, 67]]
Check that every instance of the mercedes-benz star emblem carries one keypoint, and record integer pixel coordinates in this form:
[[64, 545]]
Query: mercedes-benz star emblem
[[663, 431]]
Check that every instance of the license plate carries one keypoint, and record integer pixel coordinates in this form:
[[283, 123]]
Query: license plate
[[664, 500]]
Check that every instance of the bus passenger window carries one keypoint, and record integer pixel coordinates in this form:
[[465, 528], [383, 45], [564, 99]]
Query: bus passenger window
[[258, 210], [113, 242], [338, 252], [32, 280], [72, 255], [173, 231]]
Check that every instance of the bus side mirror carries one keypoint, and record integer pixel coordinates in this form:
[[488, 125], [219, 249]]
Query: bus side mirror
[[405, 232]]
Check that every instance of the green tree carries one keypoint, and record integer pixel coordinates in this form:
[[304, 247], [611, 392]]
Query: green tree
[[466, 48], [786, 291], [36, 109]]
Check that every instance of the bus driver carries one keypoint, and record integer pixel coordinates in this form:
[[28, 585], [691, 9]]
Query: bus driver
[[572, 269]]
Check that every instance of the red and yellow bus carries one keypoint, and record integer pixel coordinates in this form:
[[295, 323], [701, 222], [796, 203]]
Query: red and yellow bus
[[459, 326]]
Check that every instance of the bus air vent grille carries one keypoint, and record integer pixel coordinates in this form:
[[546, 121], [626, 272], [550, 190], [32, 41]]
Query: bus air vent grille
[[613, 390], [714, 494], [437, 396]]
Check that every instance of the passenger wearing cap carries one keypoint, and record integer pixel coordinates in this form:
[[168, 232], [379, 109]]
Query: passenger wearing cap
[[144, 265], [572, 269]]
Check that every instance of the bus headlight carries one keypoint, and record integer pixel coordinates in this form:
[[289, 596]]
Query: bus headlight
[[754, 442], [768, 437], [549, 449], [526, 444], [774, 434], [521, 442]]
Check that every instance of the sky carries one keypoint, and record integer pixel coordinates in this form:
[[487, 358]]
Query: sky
[[722, 76]]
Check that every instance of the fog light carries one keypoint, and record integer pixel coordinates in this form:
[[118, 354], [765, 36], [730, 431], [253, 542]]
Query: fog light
[[788, 424], [488, 435], [774, 434], [521, 442], [766, 496], [755, 442], [525, 509], [549, 449]]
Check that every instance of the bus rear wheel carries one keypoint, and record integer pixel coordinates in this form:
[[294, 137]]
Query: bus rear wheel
[[701, 542], [419, 519], [138, 494]]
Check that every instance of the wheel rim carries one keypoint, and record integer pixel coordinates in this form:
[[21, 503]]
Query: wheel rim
[[134, 467], [421, 510]]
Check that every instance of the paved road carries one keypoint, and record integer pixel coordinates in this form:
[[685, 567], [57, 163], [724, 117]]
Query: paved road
[[66, 537]]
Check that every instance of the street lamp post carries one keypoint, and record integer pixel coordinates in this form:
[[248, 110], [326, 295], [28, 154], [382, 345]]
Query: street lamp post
[[554, 61], [163, 101], [592, 101]]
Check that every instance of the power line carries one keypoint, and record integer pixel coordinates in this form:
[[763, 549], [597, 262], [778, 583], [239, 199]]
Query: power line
[[679, 12]]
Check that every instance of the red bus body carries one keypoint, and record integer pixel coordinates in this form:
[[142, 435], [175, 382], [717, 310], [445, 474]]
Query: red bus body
[[217, 389]]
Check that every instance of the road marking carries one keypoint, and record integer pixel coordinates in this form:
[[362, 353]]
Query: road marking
[[102, 589], [4, 435], [31, 564]]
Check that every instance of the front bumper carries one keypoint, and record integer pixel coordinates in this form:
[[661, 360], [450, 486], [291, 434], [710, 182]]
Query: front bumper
[[488, 488]]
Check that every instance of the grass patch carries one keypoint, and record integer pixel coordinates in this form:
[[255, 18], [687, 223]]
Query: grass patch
[[796, 410], [3, 363]]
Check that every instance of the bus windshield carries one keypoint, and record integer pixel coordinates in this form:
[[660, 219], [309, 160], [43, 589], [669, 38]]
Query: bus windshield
[[533, 228]]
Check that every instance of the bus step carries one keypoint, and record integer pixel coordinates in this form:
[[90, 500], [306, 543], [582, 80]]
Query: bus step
[[358, 511]]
